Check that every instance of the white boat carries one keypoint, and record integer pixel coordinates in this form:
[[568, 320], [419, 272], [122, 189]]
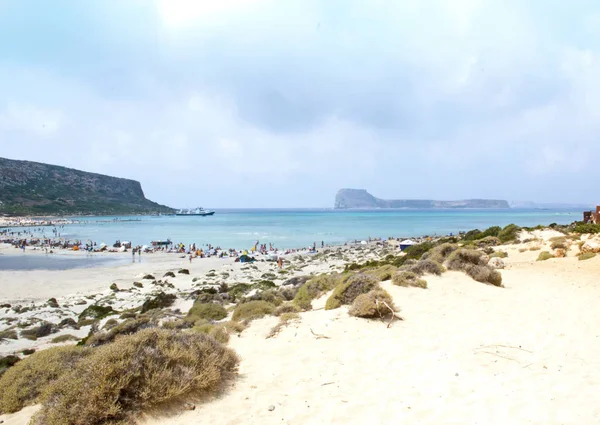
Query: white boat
[[197, 211]]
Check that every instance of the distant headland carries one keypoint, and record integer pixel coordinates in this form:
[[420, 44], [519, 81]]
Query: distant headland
[[33, 188], [360, 198]]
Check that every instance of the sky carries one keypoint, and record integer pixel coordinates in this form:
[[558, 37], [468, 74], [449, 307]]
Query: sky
[[280, 103]]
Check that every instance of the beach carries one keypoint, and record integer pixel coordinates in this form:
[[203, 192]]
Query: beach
[[464, 352]]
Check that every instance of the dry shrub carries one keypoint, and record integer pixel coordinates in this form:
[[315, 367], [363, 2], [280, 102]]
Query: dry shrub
[[544, 255], [160, 300], [463, 258], [286, 308], [127, 327], [218, 332], [372, 304], [234, 327], [422, 267], [8, 334], [22, 384], [499, 254], [383, 273], [485, 274], [559, 243], [40, 331], [134, 373], [314, 288], [208, 311], [345, 293], [64, 338], [176, 324], [407, 278], [488, 241], [440, 253], [272, 296], [284, 320], [586, 256], [252, 310]]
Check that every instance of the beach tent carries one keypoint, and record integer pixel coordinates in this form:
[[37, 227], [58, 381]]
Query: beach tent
[[405, 244]]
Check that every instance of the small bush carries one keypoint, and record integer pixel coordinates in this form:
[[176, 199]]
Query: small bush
[[371, 304], [422, 267], [8, 334], [559, 243], [440, 253], [169, 274], [407, 278], [239, 290], [345, 293], [96, 312], [383, 273], [5, 363], [28, 351], [234, 327], [584, 228], [114, 287], [252, 310], [488, 241], [64, 338], [208, 311], [287, 308], [138, 284], [485, 274], [183, 271], [544, 255], [415, 252], [271, 296], [127, 327], [499, 254], [314, 288], [160, 300], [463, 258], [509, 233], [586, 256], [136, 372], [218, 332], [39, 331], [22, 384], [53, 303], [148, 277]]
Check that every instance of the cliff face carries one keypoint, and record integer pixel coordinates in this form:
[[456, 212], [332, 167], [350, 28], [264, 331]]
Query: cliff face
[[35, 188], [360, 198]]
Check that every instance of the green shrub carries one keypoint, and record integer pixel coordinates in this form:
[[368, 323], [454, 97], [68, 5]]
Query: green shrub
[[475, 235], [422, 267], [559, 243], [509, 233], [183, 271], [239, 290], [64, 338], [314, 288], [28, 351], [149, 277], [22, 384], [544, 255], [407, 278], [209, 311], [169, 274], [96, 312], [383, 273], [586, 256], [218, 332], [440, 253], [345, 293], [160, 300], [252, 310], [372, 304], [114, 287], [415, 252], [485, 274], [138, 284], [462, 258], [584, 228], [5, 363], [134, 373], [271, 296], [499, 254]]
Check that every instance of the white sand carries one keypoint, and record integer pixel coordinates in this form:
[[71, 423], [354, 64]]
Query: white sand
[[466, 353]]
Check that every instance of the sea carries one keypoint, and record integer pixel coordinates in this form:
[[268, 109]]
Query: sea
[[297, 228]]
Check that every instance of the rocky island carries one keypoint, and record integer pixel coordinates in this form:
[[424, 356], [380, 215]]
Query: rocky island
[[360, 198], [33, 188]]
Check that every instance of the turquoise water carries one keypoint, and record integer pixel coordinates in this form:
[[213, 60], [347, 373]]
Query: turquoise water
[[298, 228]]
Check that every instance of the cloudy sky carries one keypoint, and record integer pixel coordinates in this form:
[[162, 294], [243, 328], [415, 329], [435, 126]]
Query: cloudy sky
[[279, 103]]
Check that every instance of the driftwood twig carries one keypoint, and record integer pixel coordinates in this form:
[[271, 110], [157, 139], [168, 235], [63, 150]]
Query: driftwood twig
[[319, 336]]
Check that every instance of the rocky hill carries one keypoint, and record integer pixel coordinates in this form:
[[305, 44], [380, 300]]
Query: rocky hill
[[33, 188], [360, 198]]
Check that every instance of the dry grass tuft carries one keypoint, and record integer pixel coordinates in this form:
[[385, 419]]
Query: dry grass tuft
[[134, 373], [499, 254], [287, 308], [544, 255], [440, 253], [407, 279], [345, 293], [314, 288], [586, 256], [22, 384], [485, 274], [64, 338], [383, 273], [371, 304], [284, 320], [252, 310]]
